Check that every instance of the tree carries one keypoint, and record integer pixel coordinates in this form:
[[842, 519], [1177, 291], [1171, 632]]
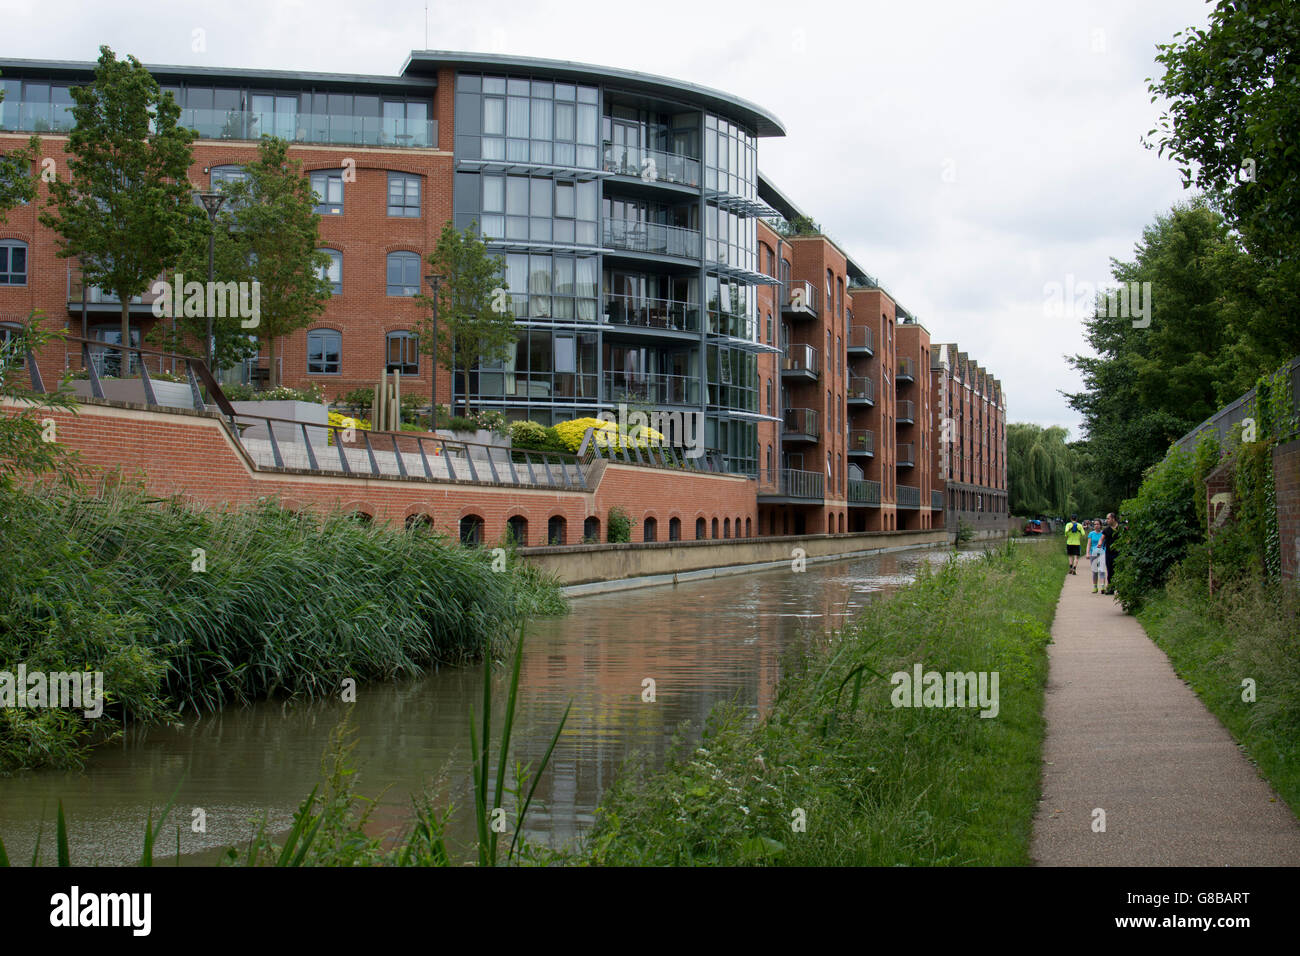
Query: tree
[[475, 324], [126, 210], [1039, 478], [1148, 386], [271, 233], [17, 184], [1232, 122], [28, 439]]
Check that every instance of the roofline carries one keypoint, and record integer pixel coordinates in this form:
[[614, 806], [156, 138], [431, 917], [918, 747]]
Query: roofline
[[161, 71], [763, 122]]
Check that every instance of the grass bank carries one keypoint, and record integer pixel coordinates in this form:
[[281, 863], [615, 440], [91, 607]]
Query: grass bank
[[1249, 630], [186, 610], [875, 784]]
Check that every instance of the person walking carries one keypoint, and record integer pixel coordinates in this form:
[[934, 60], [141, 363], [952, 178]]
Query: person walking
[[1108, 535], [1097, 556], [1073, 542]]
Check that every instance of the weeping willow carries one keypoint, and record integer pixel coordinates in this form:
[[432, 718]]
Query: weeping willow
[[1038, 470]]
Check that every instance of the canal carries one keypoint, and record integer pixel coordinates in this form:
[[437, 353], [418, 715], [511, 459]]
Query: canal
[[700, 642]]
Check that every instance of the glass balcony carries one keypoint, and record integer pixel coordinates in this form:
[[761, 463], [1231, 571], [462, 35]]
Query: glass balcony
[[800, 362], [652, 165], [652, 237], [862, 339], [311, 127], [862, 441], [800, 300], [802, 424], [648, 313], [651, 388]]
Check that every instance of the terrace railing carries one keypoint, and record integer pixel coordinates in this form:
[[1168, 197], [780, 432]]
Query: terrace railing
[[652, 165], [651, 313], [863, 492], [652, 237], [909, 496]]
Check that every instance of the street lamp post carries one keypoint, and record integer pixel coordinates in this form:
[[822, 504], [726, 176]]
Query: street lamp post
[[433, 281], [212, 203]]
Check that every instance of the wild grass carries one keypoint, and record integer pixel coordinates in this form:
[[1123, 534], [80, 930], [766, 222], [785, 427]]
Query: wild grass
[[187, 610], [871, 784]]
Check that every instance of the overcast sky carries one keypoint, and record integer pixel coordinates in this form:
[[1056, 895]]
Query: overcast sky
[[966, 154]]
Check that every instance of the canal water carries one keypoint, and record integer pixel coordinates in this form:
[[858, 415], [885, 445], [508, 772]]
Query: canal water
[[701, 643]]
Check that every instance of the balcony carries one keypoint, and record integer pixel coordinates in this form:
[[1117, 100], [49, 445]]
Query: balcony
[[906, 455], [862, 391], [862, 340], [906, 370], [96, 297], [861, 492], [906, 413], [862, 441], [800, 364], [652, 165], [802, 425], [800, 300], [793, 485], [936, 501], [666, 315], [652, 388], [652, 238], [909, 496]]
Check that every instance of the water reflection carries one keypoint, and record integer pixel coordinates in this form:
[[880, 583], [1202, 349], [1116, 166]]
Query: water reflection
[[701, 642]]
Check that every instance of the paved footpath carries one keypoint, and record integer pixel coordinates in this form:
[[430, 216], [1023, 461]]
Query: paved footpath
[[1126, 735]]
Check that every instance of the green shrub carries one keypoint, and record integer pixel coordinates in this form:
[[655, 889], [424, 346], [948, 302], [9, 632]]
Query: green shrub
[[530, 436], [619, 526]]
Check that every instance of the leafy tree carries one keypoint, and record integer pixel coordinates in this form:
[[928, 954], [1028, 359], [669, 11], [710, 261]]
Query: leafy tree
[[126, 212], [475, 324], [1232, 122], [26, 444], [1146, 387], [1039, 477], [268, 231]]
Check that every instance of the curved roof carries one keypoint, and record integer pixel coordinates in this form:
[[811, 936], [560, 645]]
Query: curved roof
[[422, 62]]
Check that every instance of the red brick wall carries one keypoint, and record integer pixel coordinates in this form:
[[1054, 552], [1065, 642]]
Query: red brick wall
[[195, 457], [1286, 482]]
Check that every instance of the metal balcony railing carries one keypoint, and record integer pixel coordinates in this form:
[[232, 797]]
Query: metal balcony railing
[[800, 358], [907, 369], [800, 299], [862, 492], [936, 501], [862, 441], [803, 421], [649, 313], [652, 165], [862, 337], [906, 454], [906, 412], [652, 237], [909, 496], [653, 388], [792, 483], [861, 389]]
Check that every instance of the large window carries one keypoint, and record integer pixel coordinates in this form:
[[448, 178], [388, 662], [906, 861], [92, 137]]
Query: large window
[[532, 209], [333, 273], [730, 158], [403, 350], [404, 195], [558, 287], [327, 184], [324, 352], [523, 120], [403, 273], [13, 262]]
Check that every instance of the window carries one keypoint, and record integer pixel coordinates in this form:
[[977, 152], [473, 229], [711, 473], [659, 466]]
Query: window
[[471, 531], [555, 530], [403, 350], [222, 177], [715, 528], [13, 262], [333, 273], [403, 273], [327, 184], [591, 530], [324, 352], [10, 334], [726, 527], [419, 522], [517, 530], [404, 195], [675, 529], [701, 529], [649, 529]]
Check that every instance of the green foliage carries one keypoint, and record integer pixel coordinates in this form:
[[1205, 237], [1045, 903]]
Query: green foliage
[[472, 325], [287, 605], [126, 212], [23, 448], [964, 532], [1039, 475], [313, 393], [618, 526], [531, 436], [878, 785], [1162, 525], [17, 176]]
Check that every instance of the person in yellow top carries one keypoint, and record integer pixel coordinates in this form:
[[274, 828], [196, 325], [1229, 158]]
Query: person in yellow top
[[1074, 542]]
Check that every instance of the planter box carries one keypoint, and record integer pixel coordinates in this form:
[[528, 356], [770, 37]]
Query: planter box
[[311, 412], [480, 437], [170, 394]]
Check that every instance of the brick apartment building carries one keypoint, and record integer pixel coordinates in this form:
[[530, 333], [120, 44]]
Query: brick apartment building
[[648, 261]]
